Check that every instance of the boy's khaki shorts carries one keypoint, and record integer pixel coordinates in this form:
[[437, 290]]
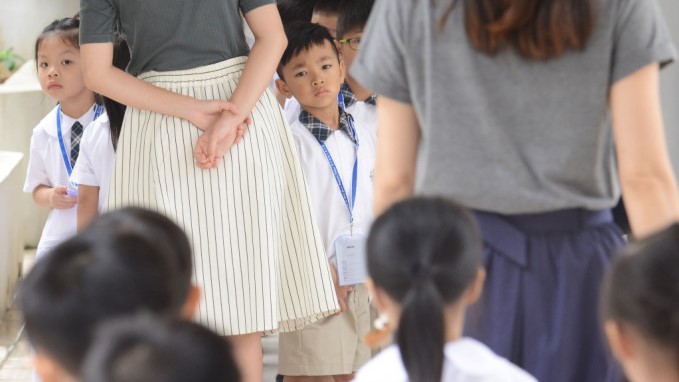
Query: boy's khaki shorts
[[332, 346]]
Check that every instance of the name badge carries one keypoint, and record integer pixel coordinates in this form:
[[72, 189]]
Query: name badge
[[72, 190], [351, 259]]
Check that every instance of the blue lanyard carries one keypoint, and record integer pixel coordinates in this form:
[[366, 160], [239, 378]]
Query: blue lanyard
[[354, 174], [97, 112]]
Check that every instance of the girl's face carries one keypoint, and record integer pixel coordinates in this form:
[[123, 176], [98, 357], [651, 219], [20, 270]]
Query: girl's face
[[59, 70]]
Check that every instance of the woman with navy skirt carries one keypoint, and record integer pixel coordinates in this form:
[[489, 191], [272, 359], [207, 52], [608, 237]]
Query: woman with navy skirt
[[511, 108]]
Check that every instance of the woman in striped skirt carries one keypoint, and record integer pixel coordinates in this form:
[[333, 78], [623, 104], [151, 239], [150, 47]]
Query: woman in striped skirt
[[258, 255]]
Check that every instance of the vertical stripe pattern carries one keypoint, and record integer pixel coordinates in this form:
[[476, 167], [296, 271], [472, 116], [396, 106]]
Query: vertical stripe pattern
[[258, 255]]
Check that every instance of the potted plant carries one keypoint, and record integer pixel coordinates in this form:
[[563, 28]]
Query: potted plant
[[9, 62]]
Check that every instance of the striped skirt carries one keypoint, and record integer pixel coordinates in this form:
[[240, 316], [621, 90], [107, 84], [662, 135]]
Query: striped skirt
[[258, 255]]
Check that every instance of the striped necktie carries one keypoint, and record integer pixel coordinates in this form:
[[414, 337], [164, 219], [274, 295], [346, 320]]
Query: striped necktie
[[76, 135]]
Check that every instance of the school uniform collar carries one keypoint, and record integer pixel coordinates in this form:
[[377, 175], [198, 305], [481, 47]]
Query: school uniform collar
[[320, 130], [67, 122], [350, 97]]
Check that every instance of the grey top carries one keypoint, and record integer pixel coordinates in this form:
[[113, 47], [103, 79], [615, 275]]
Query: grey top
[[168, 35], [504, 134]]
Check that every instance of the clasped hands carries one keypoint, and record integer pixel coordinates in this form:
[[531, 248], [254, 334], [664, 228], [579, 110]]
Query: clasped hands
[[223, 126]]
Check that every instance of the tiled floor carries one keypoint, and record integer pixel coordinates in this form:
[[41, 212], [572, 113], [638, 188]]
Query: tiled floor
[[17, 366]]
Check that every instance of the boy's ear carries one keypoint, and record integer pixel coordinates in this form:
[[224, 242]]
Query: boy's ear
[[476, 288], [49, 370], [283, 88], [191, 304], [342, 70]]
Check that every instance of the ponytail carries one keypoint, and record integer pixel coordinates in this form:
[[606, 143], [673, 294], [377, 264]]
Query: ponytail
[[424, 253], [421, 332], [115, 109]]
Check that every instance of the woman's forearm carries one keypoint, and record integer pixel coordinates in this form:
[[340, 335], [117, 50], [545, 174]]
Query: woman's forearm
[[270, 42], [104, 78], [647, 179]]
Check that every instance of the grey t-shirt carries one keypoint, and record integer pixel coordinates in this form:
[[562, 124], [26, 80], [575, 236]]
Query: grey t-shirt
[[168, 35], [505, 134]]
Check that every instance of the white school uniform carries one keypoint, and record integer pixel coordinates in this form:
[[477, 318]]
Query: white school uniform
[[329, 206], [96, 159], [46, 167], [360, 110], [466, 360]]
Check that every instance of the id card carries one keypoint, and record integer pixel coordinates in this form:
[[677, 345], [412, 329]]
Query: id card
[[72, 191], [351, 260]]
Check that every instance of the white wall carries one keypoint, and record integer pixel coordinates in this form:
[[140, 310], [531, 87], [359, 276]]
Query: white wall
[[669, 83], [22, 20]]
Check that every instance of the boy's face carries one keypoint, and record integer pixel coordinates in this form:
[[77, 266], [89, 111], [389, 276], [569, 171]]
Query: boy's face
[[345, 48], [313, 77], [328, 20]]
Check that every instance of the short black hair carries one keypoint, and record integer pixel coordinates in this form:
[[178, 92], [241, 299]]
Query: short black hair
[[641, 288], [353, 15], [153, 350], [301, 37], [126, 262], [327, 6], [295, 10]]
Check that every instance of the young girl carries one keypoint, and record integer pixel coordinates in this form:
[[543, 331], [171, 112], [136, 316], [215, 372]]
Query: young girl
[[424, 261], [98, 146], [246, 207], [56, 140], [641, 308]]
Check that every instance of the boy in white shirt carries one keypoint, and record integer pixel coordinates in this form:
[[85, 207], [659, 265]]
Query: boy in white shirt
[[337, 151]]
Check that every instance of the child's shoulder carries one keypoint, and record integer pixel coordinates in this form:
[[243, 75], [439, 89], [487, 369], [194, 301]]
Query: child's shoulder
[[47, 125], [98, 130], [385, 366], [473, 358]]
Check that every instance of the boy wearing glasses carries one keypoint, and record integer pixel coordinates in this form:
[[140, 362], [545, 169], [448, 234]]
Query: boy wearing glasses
[[337, 151], [352, 19]]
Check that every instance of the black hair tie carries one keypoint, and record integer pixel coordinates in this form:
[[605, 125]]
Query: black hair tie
[[420, 272]]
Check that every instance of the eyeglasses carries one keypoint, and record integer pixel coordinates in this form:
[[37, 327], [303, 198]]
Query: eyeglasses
[[353, 42]]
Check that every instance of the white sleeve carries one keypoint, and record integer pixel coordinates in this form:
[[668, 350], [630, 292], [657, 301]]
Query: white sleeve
[[83, 172], [37, 172]]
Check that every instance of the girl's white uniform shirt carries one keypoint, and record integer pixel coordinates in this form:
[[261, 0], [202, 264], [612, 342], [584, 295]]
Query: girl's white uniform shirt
[[96, 160], [46, 167], [466, 360], [329, 206]]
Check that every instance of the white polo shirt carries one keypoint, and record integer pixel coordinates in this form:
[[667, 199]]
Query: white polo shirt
[[466, 360], [330, 209], [46, 167]]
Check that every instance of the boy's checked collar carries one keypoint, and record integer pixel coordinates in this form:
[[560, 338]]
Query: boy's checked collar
[[350, 98], [320, 130]]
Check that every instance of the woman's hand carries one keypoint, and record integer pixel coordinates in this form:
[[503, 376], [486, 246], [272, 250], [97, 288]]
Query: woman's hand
[[218, 139], [206, 113]]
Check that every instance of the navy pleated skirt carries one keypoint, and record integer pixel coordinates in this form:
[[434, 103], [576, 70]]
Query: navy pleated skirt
[[540, 303]]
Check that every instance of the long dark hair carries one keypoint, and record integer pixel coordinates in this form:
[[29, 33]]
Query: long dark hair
[[424, 253], [536, 29], [115, 109], [642, 289]]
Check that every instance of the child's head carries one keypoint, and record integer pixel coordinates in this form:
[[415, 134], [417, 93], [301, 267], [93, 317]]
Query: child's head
[[292, 11], [57, 56], [424, 261], [641, 306], [152, 350], [310, 69], [126, 262], [352, 19], [326, 13]]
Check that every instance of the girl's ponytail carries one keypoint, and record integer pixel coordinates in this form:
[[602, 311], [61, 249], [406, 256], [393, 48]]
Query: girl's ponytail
[[421, 332], [424, 253]]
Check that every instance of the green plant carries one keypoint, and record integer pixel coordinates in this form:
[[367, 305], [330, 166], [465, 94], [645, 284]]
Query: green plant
[[10, 59]]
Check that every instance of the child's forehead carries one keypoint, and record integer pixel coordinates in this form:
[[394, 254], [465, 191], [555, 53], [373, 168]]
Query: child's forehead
[[55, 41], [315, 51]]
